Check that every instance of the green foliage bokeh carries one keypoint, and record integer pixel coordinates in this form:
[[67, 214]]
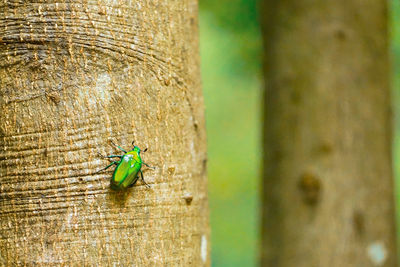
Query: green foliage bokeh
[[395, 52], [231, 57]]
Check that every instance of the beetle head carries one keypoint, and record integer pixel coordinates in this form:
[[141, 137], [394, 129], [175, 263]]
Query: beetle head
[[136, 149]]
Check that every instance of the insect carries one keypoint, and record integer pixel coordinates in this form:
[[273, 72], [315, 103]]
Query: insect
[[129, 167]]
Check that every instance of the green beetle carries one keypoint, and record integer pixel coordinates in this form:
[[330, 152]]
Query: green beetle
[[129, 166]]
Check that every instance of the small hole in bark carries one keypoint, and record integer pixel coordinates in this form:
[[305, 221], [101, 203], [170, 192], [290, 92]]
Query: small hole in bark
[[102, 10], [204, 166], [296, 96], [310, 187], [326, 147], [188, 198], [340, 34], [171, 170], [54, 96], [359, 222]]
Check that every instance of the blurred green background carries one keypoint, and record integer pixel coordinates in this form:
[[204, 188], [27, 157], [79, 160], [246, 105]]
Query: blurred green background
[[395, 49], [230, 44]]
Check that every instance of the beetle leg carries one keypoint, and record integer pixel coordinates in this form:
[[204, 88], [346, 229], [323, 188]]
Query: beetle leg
[[118, 147], [141, 174], [134, 181], [108, 166], [149, 166], [113, 156]]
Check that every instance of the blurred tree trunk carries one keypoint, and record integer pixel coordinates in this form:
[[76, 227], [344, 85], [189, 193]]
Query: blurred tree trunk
[[73, 76], [328, 184]]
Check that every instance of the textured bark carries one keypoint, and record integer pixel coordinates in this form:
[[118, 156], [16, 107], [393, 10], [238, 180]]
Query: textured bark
[[73, 76], [328, 190]]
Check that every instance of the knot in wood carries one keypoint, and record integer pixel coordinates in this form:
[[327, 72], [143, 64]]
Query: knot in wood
[[310, 186], [188, 198]]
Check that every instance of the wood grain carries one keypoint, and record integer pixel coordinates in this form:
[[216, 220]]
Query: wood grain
[[73, 77]]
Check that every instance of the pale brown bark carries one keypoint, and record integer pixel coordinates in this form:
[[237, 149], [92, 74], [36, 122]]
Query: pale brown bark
[[328, 185], [73, 76]]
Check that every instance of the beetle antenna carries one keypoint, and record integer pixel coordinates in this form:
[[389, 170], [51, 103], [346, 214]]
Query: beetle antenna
[[145, 150], [133, 143]]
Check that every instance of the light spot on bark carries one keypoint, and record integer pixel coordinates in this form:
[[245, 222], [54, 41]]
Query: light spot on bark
[[69, 218], [192, 150], [102, 86], [204, 248], [377, 253], [99, 95]]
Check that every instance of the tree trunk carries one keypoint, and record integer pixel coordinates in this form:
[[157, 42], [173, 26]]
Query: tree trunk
[[328, 185], [73, 77]]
